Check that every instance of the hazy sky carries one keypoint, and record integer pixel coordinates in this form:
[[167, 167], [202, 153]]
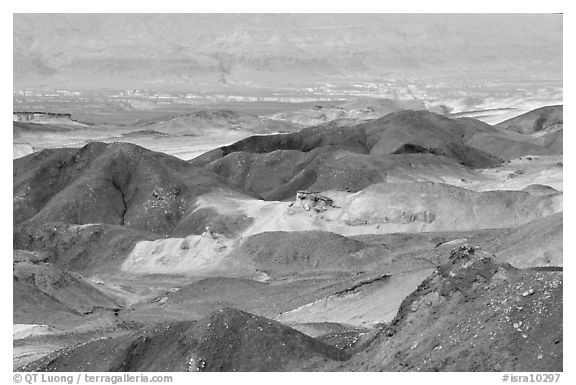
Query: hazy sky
[[87, 50]]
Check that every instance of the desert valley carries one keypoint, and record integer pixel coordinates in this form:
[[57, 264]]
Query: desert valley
[[358, 223]]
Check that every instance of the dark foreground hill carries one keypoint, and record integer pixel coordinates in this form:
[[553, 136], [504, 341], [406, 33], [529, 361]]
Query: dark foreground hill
[[227, 340], [166, 242], [473, 314], [117, 184]]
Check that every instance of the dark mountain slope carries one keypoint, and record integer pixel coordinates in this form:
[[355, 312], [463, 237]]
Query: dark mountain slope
[[273, 175], [541, 119], [47, 295], [506, 148], [68, 289], [89, 249], [348, 158], [538, 132], [227, 340], [286, 253], [31, 306], [378, 137], [278, 175], [473, 314], [553, 141], [115, 183]]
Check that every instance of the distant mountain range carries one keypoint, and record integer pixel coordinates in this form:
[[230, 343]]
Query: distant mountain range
[[278, 50]]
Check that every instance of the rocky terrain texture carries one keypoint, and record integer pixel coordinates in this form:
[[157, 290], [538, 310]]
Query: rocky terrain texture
[[473, 314], [409, 242], [227, 340]]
